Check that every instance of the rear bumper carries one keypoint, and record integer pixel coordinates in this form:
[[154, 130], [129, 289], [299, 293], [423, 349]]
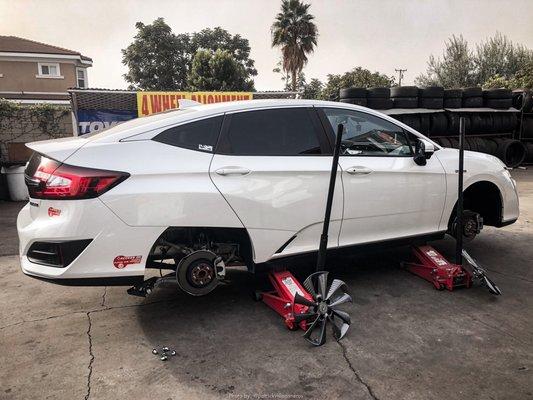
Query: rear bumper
[[116, 254]]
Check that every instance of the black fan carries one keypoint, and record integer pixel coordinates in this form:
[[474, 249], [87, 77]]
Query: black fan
[[323, 308], [479, 274]]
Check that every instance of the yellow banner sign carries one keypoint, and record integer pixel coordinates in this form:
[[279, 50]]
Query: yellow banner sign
[[154, 102]]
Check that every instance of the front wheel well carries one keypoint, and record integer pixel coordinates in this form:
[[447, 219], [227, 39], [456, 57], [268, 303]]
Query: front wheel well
[[483, 198]]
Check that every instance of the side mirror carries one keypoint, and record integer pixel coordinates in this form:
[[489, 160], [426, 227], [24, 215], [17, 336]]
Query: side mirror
[[424, 149]]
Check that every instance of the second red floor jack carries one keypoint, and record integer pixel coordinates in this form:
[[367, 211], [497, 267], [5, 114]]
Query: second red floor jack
[[433, 267]]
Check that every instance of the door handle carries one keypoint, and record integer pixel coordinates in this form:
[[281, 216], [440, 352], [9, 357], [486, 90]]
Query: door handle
[[358, 170], [232, 171]]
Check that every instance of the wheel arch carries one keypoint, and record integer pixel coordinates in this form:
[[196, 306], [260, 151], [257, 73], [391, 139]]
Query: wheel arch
[[485, 198]]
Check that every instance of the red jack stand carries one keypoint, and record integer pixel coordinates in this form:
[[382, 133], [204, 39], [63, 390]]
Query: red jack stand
[[437, 270], [281, 299]]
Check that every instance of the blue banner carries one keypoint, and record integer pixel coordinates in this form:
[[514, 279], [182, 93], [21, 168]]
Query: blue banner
[[90, 121]]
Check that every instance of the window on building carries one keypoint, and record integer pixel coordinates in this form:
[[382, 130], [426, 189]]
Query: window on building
[[81, 76], [49, 70]]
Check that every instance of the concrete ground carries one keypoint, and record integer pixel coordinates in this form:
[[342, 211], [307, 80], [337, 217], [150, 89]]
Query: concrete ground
[[407, 340]]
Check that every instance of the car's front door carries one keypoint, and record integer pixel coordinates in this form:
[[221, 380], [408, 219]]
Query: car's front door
[[386, 195], [271, 167]]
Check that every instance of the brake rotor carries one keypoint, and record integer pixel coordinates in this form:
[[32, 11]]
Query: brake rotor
[[197, 273], [323, 308]]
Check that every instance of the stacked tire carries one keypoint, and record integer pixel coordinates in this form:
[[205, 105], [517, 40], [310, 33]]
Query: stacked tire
[[378, 98], [353, 95], [431, 97], [501, 99], [472, 97], [404, 96], [453, 98]]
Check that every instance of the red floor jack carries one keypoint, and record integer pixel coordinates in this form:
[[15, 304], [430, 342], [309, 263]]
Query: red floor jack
[[434, 268], [311, 305]]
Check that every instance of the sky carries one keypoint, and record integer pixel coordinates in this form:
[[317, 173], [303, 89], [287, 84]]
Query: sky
[[380, 35]]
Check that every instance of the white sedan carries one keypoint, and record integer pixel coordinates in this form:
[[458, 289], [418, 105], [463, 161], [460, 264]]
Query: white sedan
[[242, 183]]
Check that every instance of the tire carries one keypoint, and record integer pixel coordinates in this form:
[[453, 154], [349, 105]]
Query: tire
[[511, 152], [425, 124], [360, 101], [404, 91], [471, 143], [527, 103], [352, 92], [529, 156], [497, 94], [431, 92], [432, 103], [453, 123], [472, 92], [379, 103], [497, 123], [453, 103], [405, 102], [480, 144], [473, 102], [492, 146], [454, 143], [527, 128], [500, 104], [438, 124], [378, 93], [412, 120], [453, 93], [445, 142]]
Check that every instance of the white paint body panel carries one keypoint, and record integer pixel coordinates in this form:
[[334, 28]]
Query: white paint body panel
[[279, 198]]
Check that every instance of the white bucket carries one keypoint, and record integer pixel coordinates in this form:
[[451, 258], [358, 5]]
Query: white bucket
[[15, 182]]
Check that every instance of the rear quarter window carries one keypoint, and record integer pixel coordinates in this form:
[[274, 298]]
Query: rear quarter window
[[199, 135]]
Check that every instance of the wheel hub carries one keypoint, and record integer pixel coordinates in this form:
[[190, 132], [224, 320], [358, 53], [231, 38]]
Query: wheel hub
[[201, 274], [323, 308]]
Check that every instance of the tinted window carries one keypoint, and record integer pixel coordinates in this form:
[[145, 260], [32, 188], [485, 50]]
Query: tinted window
[[201, 135], [279, 132], [365, 134]]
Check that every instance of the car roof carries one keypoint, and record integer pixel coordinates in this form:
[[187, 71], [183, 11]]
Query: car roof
[[143, 125]]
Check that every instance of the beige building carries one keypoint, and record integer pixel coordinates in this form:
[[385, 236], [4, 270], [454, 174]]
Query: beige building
[[32, 72]]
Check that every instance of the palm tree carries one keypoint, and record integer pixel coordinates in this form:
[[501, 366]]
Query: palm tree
[[296, 33]]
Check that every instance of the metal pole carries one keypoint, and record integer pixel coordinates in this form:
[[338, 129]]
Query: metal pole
[[321, 260], [459, 217]]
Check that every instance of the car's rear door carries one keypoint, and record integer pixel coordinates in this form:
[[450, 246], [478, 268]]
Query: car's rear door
[[271, 167], [386, 195]]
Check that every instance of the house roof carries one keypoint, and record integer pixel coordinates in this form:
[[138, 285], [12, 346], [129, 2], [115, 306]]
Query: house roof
[[14, 44]]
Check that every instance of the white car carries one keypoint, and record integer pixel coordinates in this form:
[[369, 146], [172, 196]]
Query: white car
[[241, 183]]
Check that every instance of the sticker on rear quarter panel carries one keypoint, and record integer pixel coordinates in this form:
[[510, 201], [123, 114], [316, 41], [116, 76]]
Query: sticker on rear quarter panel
[[54, 212], [123, 261]]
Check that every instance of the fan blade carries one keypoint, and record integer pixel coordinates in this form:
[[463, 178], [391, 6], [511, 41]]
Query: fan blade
[[342, 315], [338, 333], [322, 338], [492, 286], [335, 286], [344, 298], [299, 299], [322, 283], [303, 316], [308, 285]]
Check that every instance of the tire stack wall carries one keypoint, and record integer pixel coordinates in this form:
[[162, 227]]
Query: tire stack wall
[[487, 130]]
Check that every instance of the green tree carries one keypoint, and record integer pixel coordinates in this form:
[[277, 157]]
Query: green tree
[[157, 59], [218, 38], [296, 34], [358, 77], [522, 79], [313, 89], [498, 55], [494, 60], [218, 70], [455, 69]]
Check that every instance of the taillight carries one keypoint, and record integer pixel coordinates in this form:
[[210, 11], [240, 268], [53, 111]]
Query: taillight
[[49, 179]]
